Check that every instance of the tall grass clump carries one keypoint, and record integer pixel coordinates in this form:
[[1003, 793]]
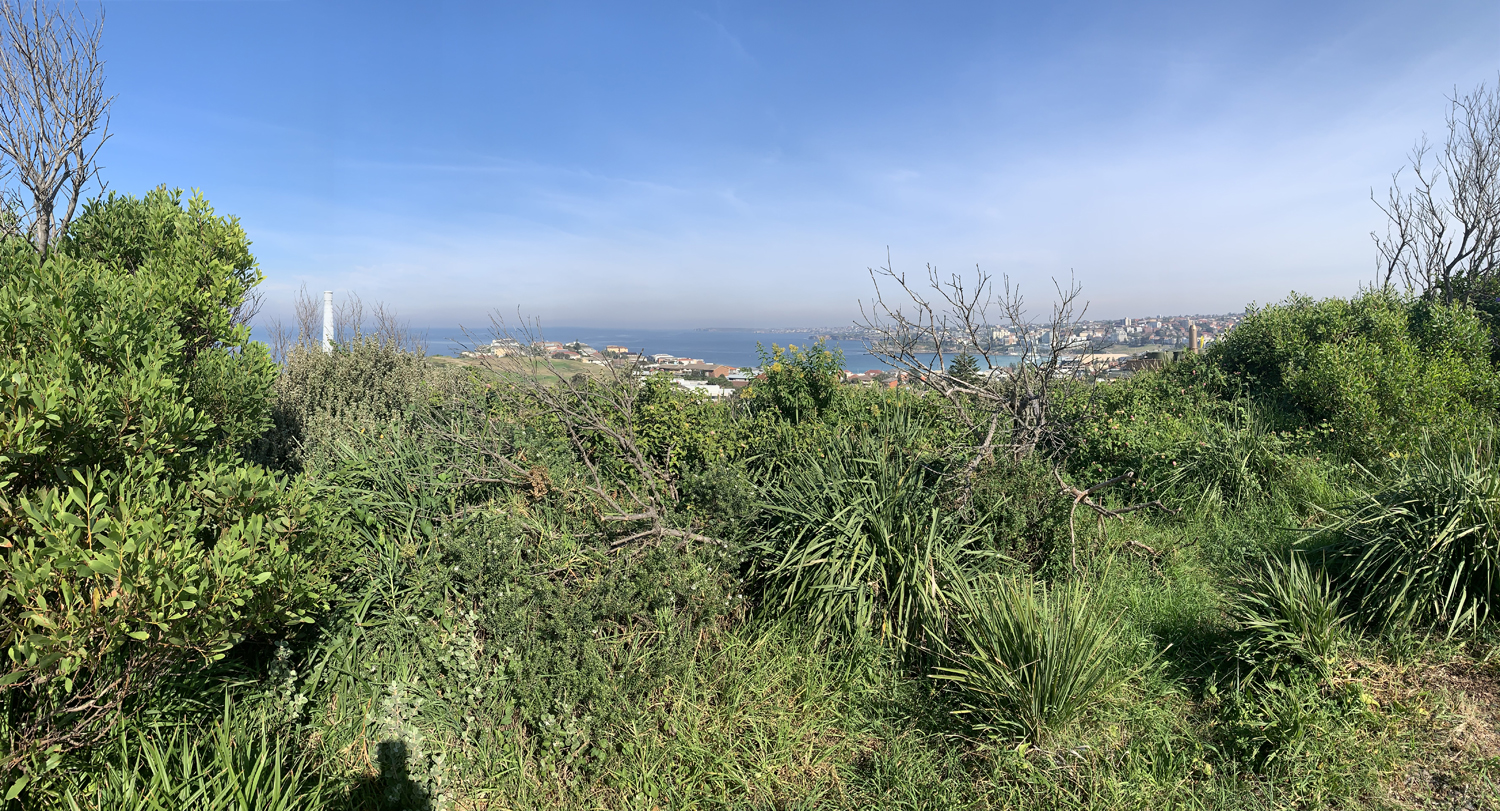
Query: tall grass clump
[[857, 540], [1425, 547], [1288, 613], [1237, 457], [235, 765], [1031, 659]]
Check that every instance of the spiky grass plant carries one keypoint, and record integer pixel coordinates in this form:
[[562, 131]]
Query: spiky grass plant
[[858, 542], [1425, 548], [1031, 659], [238, 764], [1288, 614]]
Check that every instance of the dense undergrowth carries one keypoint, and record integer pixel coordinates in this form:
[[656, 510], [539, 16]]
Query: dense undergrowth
[[364, 581]]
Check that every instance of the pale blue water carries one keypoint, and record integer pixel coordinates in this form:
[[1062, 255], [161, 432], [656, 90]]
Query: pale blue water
[[736, 349]]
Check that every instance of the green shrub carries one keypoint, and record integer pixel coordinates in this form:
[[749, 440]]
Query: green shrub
[[1149, 424], [1424, 546], [1288, 613], [367, 384], [135, 539], [797, 383], [1376, 369], [1029, 659]]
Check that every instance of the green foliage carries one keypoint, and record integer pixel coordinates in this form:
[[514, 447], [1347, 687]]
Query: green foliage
[[1423, 547], [135, 540], [233, 765], [367, 384], [1374, 368], [192, 270], [797, 383], [482, 616], [1143, 424], [1030, 659], [965, 368], [1293, 724], [856, 538], [1238, 459], [1288, 614]]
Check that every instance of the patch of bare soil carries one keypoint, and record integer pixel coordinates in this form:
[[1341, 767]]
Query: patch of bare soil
[[1451, 715]]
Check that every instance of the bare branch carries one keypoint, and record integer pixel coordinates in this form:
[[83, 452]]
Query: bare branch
[[1443, 236], [54, 115], [918, 326], [1085, 497]]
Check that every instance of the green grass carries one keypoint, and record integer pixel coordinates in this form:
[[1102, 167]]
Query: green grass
[[1031, 659], [860, 640]]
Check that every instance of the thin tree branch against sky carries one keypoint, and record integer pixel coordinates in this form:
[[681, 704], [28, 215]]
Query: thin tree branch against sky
[[720, 163]]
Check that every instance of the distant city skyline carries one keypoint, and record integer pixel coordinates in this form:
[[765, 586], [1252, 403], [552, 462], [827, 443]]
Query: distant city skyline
[[704, 164]]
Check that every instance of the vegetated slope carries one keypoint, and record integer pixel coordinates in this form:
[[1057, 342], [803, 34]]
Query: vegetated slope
[[366, 580]]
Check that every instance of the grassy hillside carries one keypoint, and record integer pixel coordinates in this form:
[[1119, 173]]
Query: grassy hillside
[[1260, 577]]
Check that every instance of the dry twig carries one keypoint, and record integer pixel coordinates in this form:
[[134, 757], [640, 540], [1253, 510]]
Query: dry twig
[[1085, 497]]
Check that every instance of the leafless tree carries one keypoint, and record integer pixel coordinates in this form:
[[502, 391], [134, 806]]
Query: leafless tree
[[282, 340], [306, 311], [1443, 236], [599, 415], [1011, 408], [54, 115], [348, 318], [919, 326]]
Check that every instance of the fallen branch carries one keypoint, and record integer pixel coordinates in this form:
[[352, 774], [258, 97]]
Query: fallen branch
[[1084, 497]]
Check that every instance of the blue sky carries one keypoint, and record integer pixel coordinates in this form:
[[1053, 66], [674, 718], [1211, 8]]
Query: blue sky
[[742, 164]]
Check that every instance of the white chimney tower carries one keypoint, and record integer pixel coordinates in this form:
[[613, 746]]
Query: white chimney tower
[[327, 322]]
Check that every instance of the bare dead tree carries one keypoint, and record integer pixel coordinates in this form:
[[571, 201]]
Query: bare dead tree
[[348, 318], [1443, 236], [282, 340], [599, 415], [306, 313], [391, 330], [919, 324], [54, 115]]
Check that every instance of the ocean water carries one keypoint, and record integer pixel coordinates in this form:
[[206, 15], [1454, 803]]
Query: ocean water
[[729, 348], [736, 348]]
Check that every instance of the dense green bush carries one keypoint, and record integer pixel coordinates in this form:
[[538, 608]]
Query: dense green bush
[[1375, 369], [135, 539], [797, 383]]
